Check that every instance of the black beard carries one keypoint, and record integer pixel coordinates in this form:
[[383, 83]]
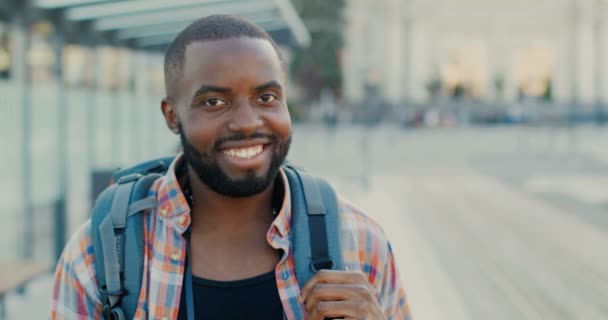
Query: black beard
[[207, 169]]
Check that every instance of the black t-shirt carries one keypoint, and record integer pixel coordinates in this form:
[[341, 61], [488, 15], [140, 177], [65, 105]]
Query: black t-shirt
[[253, 298]]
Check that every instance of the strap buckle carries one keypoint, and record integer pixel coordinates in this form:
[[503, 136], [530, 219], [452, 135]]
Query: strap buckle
[[111, 313], [321, 264]]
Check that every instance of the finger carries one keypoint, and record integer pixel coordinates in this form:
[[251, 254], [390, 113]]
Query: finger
[[329, 292], [336, 292], [335, 309], [332, 276]]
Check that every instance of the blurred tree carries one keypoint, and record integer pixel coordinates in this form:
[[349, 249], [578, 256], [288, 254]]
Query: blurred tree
[[499, 86], [434, 87], [318, 66], [548, 94]]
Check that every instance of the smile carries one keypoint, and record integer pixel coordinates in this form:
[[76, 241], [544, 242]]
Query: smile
[[245, 153]]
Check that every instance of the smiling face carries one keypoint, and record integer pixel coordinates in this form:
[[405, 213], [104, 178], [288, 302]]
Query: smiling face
[[230, 111]]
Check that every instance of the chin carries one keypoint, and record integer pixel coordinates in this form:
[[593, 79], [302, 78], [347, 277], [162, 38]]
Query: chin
[[251, 173]]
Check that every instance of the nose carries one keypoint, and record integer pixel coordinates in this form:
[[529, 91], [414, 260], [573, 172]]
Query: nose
[[245, 119]]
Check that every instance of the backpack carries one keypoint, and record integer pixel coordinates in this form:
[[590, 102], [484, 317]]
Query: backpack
[[117, 231]]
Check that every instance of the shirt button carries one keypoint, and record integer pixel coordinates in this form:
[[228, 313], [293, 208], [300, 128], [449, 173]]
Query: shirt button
[[183, 220], [163, 212], [176, 255]]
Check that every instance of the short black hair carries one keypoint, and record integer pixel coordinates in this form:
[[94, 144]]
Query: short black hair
[[209, 28]]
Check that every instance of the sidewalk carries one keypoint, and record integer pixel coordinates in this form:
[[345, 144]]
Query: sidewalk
[[34, 303], [430, 293]]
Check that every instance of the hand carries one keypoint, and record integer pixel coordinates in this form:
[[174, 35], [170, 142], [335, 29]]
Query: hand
[[340, 294]]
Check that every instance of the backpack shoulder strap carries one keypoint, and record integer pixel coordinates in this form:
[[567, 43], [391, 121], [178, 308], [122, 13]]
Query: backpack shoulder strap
[[116, 228], [159, 166], [315, 225]]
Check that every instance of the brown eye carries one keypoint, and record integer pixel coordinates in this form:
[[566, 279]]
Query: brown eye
[[214, 102], [267, 98]]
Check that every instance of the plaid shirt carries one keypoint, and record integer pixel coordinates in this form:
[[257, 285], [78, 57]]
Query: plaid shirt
[[76, 296]]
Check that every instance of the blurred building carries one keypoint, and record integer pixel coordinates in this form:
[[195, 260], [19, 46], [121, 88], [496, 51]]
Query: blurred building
[[81, 82], [491, 50]]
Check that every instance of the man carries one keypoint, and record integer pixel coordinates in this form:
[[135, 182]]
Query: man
[[224, 205]]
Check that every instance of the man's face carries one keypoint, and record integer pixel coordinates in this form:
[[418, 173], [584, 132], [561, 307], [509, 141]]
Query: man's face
[[230, 111]]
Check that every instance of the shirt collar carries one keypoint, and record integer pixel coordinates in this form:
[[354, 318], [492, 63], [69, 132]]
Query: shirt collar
[[170, 198], [283, 220]]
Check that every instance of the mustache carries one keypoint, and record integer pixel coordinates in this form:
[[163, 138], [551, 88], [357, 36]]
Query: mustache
[[242, 137]]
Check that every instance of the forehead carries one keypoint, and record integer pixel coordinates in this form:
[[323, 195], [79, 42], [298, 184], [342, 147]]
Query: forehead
[[226, 60]]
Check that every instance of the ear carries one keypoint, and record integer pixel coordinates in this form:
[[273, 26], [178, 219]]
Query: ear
[[169, 110]]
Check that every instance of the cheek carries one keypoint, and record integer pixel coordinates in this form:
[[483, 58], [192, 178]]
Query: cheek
[[202, 134], [281, 124]]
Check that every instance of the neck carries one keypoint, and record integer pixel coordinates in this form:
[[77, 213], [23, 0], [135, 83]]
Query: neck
[[214, 212]]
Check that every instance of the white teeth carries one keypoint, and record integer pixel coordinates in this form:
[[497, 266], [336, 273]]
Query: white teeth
[[245, 153]]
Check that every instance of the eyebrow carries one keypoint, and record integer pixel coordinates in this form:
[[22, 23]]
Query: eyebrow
[[268, 85], [208, 88]]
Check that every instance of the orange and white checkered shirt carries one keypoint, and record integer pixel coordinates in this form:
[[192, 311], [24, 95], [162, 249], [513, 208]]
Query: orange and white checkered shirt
[[76, 295]]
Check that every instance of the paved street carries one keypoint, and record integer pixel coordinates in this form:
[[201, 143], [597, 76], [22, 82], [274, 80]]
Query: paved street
[[486, 223], [501, 223]]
